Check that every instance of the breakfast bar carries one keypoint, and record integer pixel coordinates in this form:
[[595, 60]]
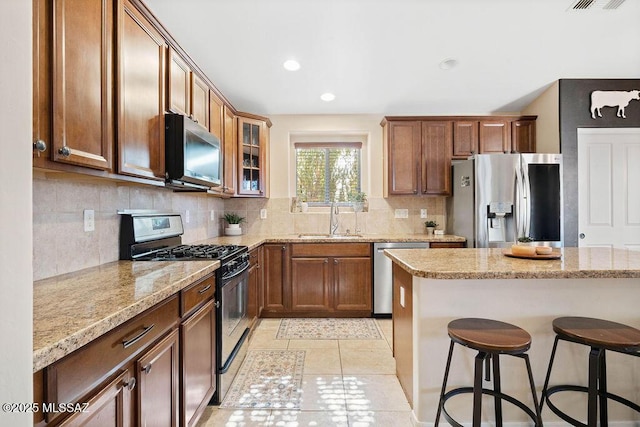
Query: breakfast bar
[[432, 288]]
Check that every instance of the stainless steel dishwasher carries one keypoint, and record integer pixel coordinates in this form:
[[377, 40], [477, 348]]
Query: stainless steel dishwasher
[[382, 280]]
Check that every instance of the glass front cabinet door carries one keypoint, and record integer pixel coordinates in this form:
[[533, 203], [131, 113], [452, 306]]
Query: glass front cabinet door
[[252, 166]]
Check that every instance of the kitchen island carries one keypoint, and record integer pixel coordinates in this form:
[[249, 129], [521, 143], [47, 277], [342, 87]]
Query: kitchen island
[[431, 288]]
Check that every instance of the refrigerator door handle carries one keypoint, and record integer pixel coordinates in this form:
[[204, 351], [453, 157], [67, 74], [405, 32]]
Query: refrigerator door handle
[[526, 186], [518, 207]]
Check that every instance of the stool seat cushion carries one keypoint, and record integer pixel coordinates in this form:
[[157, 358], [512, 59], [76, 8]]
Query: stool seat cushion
[[488, 335], [598, 333]]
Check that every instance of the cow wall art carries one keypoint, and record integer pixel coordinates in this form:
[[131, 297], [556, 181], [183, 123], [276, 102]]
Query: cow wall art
[[612, 98]]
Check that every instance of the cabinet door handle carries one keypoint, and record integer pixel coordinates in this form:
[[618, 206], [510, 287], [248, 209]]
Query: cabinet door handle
[[40, 146], [283, 248], [64, 151], [132, 341], [335, 261], [205, 289], [146, 369], [131, 384]]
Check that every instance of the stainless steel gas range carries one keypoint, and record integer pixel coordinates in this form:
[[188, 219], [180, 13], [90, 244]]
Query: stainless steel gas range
[[156, 236]]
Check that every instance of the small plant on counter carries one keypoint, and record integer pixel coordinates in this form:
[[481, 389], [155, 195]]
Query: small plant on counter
[[233, 218], [431, 224], [360, 196]]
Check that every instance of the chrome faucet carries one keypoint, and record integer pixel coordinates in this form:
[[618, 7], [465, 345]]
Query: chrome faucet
[[333, 219]]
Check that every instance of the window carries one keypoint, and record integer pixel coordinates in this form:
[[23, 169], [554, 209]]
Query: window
[[327, 172]]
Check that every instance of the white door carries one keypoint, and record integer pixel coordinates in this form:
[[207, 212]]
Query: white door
[[609, 187]]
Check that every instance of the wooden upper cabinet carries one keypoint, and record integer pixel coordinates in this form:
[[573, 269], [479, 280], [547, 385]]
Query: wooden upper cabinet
[[141, 96], [465, 138], [199, 101], [187, 93], [436, 157], [252, 157], [179, 87], [216, 115], [418, 156], [230, 152], [494, 136], [523, 136], [402, 149], [83, 89]]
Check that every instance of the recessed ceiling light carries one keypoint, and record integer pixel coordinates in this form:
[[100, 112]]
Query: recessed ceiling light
[[448, 63], [327, 97], [291, 65]]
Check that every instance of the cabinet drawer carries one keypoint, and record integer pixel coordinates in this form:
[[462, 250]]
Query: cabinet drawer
[[330, 249], [80, 372], [196, 294], [440, 245]]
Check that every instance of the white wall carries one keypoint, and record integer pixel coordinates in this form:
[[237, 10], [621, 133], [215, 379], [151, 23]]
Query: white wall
[[286, 125], [547, 108], [16, 290]]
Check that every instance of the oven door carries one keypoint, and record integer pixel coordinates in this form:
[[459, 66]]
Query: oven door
[[233, 328]]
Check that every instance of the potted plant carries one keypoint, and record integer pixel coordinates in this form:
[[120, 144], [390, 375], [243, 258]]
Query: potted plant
[[358, 200], [524, 240], [233, 220], [431, 225]]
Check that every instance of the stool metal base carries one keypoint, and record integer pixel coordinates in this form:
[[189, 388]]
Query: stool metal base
[[596, 390], [478, 391]]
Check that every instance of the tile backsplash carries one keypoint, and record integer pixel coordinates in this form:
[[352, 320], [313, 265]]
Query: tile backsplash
[[379, 218], [60, 244]]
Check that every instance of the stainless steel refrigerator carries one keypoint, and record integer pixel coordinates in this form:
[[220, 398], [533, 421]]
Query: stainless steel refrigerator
[[498, 198]]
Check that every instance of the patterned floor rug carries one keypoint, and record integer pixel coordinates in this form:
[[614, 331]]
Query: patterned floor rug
[[329, 329], [267, 379]]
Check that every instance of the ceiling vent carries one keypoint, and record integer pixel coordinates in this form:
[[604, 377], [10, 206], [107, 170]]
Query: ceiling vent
[[582, 4], [594, 4], [613, 4]]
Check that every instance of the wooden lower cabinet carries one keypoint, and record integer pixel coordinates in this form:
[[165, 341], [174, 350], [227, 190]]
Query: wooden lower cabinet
[[111, 406], [352, 284], [157, 369], [331, 279], [158, 381], [311, 284], [198, 356], [275, 274]]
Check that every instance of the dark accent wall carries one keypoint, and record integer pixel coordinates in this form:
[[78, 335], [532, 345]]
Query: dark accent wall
[[575, 103]]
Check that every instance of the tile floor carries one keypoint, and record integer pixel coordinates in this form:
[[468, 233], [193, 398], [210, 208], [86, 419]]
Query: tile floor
[[345, 383]]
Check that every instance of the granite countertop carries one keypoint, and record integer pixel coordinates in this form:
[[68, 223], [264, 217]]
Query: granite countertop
[[493, 264], [255, 241], [73, 309]]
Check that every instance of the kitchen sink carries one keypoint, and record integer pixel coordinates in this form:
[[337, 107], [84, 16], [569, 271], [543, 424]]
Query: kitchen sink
[[329, 236]]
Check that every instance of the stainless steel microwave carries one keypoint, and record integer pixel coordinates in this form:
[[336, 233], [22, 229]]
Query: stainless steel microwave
[[193, 155]]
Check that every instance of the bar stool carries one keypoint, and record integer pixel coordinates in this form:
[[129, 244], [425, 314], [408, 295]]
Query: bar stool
[[490, 338], [600, 335]]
